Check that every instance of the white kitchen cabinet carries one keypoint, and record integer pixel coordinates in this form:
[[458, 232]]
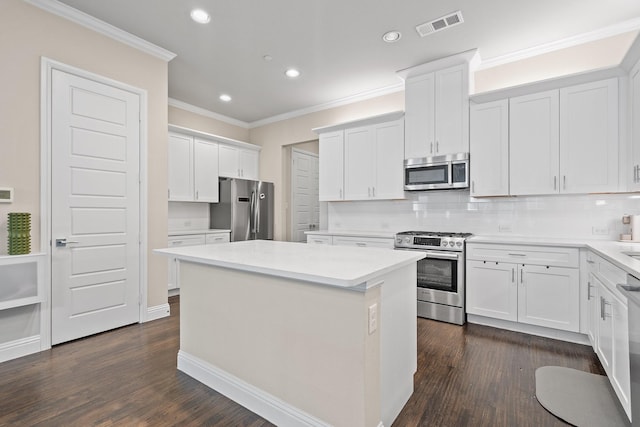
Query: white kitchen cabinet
[[592, 304], [236, 162], [331, 166], [589, 137], [565, 141], [176, 241], [373, 163], [489, 148], [634, 167], [492, 290], [363, 242], [215, 238], [193, 169], [205, 171], [437, 113], [180, 167], [612, 329], [534, 143], [315, 239], [532, 285], [362, 160]]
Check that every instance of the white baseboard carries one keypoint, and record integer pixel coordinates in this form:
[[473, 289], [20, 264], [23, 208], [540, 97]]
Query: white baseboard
[[530, 329], [158, 312], [256, 400], [18, 348]]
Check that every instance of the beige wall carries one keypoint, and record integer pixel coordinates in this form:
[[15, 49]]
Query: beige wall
[[275, 136], [28, 33], [187, 119], [603, 53]]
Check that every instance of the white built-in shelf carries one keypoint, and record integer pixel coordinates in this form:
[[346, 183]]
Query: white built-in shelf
[[22, 280]]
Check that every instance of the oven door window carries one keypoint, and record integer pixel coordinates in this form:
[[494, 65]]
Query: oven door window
[[459, 173], [438, 174], [438, 274]]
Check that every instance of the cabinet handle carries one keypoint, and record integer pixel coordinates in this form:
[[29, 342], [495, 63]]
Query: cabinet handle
[[605, 303], [589, 291], [368, 191], [341, 193], [522, 277], [590, 261], [564, 182], [517, 254], [555, 182], [168, 193], [437, 147], [361, 244], [513, 275], [197, 195], [431, 149], [373, 191]]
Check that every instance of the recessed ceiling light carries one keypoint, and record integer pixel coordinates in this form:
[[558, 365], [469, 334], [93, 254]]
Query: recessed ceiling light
[[225, 98], [391, 36], [292, 72], [200, 16]]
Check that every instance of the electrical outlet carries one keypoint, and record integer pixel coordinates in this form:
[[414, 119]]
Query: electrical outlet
[[504, 228], [599, 231], [373, 318]]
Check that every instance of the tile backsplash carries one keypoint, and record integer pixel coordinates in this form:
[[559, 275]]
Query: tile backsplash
[[183, 216], [590, 216]]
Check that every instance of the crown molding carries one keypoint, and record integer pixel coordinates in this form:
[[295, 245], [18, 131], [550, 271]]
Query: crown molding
[[207, 113], [88, 21], [610, 31], [333, 104]]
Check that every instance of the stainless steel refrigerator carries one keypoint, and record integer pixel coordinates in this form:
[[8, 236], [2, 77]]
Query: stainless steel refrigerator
[[245, 208]]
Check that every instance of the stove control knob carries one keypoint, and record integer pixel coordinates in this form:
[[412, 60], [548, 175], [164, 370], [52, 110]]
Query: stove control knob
[[399, 240], [444, 243], [452, 244], [407, 240], [458, 244]]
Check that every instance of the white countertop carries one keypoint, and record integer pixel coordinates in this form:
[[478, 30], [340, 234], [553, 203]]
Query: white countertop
[[610, 250], [342, 266], [203, 231], [353, 233]]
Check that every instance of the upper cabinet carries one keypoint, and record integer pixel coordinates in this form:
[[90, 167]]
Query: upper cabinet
[[560, 141], [236, 162], [193, 169], [634, 169], [489, 149], [437, 107], [362, 160], [197, 159]]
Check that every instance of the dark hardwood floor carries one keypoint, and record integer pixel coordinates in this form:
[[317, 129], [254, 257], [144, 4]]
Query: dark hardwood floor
[[467, 376]]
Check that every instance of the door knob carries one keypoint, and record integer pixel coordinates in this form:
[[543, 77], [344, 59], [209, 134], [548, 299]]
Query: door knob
[[61, 243]]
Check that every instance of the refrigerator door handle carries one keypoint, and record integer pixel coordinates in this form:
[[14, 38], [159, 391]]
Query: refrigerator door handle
[[256, 209], [252, 215]]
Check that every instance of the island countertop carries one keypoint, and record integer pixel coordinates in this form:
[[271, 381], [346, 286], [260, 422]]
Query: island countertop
[[341, 266]]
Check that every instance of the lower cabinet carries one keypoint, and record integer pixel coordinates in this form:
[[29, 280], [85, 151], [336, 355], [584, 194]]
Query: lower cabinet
[[608, 311], [360, 241], [533, 294], [532, 285], [191, 240]]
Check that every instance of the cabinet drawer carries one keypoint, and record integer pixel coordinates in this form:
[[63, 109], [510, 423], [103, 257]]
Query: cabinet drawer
[[319, 240], [609, 274], [213, 239], [524, 254], [375, 242], [186, 240]]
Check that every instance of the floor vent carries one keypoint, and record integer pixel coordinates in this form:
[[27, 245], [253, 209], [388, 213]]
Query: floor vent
[[440, 24]]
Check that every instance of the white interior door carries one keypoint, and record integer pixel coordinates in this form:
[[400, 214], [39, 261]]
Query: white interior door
[[305, 213], [95, 206]]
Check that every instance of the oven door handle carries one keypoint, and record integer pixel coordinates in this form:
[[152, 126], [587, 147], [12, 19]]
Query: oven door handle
[[436, 255]]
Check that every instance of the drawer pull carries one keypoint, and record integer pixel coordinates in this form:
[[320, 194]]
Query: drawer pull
[[517, 254]]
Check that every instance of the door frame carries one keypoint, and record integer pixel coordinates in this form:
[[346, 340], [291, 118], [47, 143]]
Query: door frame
[[47, 66], [292, 187]]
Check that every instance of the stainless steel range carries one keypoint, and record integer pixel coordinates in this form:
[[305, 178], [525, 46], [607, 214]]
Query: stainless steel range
[[441, 275]]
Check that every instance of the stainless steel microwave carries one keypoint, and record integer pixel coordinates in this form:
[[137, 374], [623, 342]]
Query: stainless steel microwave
[[450, 171]]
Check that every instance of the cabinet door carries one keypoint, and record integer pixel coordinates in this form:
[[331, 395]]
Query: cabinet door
[[593, 308], [359, 163], [452, 111], [492, 289], [419, 101], [634, 181], [549, 297], [604, 349], [534, 156], [228, 161], [249, 164], [489, 149], [389, 177], [180, 167], [331, 166], [621, 376], [205, 171], [589, 137]]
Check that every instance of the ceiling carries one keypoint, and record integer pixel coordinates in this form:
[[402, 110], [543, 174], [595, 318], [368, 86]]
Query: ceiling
[[336, 44]]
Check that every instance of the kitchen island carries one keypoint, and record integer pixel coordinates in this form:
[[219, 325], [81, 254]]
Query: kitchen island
[[303, 335]]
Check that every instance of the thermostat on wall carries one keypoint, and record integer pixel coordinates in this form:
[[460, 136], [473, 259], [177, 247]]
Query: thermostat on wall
[[6, 195]]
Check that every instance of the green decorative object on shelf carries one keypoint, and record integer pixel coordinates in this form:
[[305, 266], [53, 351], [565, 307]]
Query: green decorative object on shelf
[[19, 227]]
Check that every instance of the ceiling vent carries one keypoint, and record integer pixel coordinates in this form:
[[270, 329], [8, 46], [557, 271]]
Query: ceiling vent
[[440, 24]]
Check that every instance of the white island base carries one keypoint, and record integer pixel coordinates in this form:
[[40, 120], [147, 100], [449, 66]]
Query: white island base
[[300, 353]]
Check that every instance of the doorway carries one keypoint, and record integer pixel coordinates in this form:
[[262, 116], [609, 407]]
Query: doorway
[[305, 210]]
